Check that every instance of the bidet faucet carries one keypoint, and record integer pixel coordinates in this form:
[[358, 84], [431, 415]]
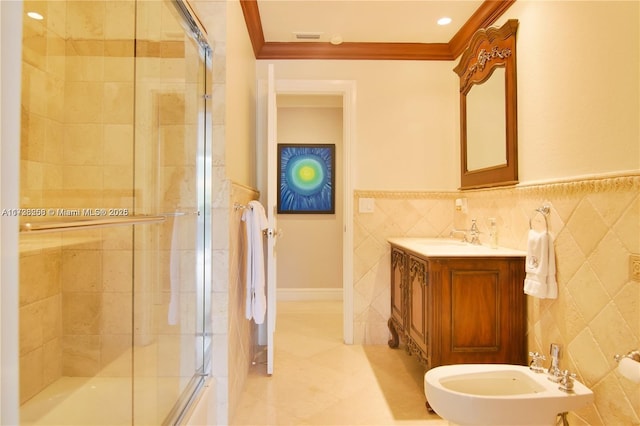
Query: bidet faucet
[[566, 381], [554, 368]]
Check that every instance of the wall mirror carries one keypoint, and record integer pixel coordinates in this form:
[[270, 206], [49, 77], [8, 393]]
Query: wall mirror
[[488, 108]]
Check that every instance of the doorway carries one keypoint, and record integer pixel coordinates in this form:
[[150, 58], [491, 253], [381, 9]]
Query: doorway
[[310, 265], [313, 93]]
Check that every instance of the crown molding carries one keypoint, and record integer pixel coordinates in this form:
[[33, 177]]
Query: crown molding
[[488, 12], [379, 51], [254, 24]]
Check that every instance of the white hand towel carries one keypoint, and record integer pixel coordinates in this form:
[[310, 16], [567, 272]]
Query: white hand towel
[[256, 300], [540, 266], [173, 314]]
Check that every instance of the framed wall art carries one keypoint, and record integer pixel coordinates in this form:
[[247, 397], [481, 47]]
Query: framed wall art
[[306, 178]]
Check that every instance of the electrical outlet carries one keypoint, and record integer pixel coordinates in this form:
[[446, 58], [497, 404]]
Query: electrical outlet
[[634, 267]]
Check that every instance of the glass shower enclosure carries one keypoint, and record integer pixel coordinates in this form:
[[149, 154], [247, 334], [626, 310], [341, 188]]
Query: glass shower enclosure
[[114, 223]]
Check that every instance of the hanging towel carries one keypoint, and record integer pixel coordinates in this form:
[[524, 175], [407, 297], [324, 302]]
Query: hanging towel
[[540, 266], [256, 301], [174, 276]]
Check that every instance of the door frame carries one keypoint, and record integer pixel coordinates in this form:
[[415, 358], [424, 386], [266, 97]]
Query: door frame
[[346, 89], [10, 60]]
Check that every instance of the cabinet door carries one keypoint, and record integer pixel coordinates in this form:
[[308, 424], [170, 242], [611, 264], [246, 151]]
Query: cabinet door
[[482, 307], [417, 292]]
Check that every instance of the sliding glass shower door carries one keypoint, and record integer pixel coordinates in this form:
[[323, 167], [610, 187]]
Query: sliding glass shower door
[[170, 312], [114, 239]]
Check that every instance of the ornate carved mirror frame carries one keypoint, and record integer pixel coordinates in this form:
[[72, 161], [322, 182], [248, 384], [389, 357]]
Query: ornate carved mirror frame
[[488, 50]]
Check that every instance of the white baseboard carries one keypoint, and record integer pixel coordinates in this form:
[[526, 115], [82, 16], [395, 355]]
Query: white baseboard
[[295, 294]]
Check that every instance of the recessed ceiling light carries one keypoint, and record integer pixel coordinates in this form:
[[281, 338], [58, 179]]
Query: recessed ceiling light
[[35, 15], [445, 20], [336, 40]]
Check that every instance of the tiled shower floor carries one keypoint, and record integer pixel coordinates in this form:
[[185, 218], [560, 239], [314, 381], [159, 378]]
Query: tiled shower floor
[[104, 400], [80, 401], [89, 401]]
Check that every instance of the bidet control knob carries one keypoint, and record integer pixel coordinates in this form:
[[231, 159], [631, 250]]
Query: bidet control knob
[[566, 381], [536, 362]]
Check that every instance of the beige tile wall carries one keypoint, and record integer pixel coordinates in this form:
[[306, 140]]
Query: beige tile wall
[[40, 319], [596, 224], [241, 331]]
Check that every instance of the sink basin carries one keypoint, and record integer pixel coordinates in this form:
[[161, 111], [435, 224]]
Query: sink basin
[[439, 242], [499, 394]]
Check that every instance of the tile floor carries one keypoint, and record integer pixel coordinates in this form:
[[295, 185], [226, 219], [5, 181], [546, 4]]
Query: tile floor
[[318, 380]]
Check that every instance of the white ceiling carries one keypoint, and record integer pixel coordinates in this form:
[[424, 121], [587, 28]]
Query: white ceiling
[[401, 21]]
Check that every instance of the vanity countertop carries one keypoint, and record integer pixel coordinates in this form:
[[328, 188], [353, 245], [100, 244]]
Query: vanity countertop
[[444, 247]]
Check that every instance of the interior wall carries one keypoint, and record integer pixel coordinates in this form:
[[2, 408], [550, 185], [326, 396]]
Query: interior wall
[[578, 85], [408, 114], [242, 332], [240, 100], [310, 249], [407, 121]]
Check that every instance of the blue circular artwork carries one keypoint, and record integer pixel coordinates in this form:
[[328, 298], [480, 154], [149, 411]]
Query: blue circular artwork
[[306, 179]]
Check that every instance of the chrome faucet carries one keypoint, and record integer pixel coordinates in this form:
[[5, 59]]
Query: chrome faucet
[[566, 381], [459, 231], [469, 235], [554, 369], [475, 232]]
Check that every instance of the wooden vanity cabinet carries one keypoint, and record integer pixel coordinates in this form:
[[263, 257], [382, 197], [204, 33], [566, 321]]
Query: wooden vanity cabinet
[[458, 310]]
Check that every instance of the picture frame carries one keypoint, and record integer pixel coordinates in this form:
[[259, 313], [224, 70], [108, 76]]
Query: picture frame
[[306, 178]]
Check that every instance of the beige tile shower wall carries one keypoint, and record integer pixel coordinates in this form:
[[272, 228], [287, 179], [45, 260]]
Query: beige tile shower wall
[[40, 320], [42, 102], [76, 152], [97, 172], [42, 120], [596, 224], [97, 158]]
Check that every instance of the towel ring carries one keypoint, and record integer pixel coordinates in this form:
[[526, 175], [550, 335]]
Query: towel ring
[[544, 211]]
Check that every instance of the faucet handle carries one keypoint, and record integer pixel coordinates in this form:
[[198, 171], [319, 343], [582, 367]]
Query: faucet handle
[[536, 362], [475, 232], [566, 381]]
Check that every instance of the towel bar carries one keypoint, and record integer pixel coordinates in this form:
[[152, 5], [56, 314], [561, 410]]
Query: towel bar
[[238, 206], [72, 225]]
